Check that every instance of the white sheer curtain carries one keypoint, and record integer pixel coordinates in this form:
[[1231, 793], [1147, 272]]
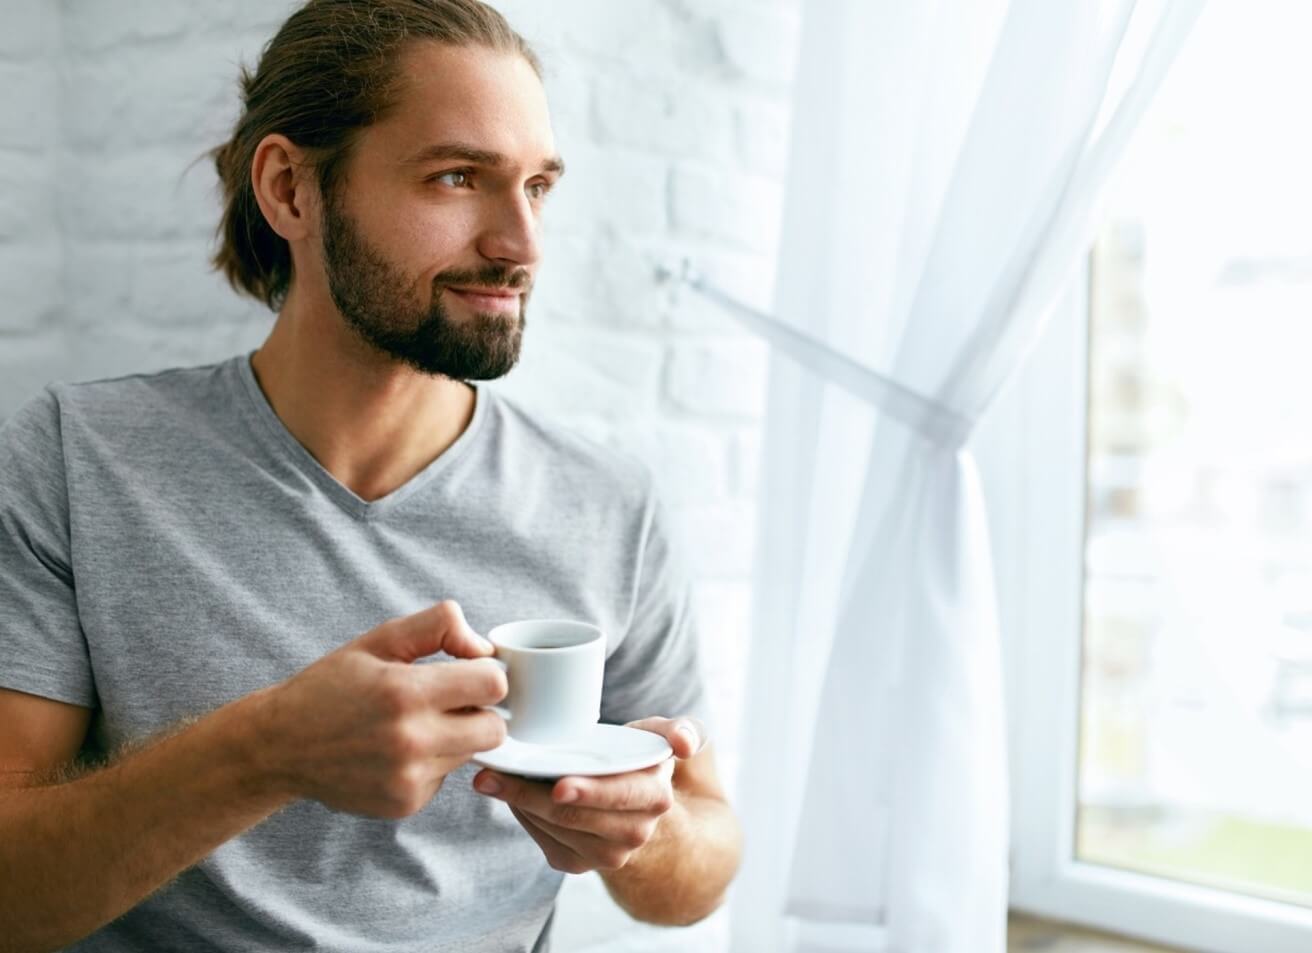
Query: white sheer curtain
[[946, 159]]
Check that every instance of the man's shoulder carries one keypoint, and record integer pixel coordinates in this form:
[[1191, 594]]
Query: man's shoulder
[[128, 396], [579, 459], [56, 427]]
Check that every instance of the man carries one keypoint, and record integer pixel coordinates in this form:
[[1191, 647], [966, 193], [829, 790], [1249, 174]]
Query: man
[[214, 581]]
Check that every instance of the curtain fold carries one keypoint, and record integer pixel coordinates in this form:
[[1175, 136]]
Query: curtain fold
[[946, 163]]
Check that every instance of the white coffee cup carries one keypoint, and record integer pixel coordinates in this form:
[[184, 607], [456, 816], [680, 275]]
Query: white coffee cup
[[555, 669]]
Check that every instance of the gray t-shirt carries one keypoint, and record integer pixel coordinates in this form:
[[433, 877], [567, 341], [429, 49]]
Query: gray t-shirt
[[167, 546]]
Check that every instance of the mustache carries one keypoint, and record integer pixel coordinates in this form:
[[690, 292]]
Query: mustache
[[489, 276]]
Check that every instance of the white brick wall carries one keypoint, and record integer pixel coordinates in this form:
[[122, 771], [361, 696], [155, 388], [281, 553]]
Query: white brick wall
[[30, 259], [672, 116]]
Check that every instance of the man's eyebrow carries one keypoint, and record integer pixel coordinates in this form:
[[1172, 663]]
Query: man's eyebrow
[[455, 150]]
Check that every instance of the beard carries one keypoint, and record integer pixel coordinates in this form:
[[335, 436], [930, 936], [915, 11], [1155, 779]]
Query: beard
[[369, 293]]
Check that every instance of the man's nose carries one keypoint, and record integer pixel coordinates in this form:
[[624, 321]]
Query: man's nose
[[511, 232]]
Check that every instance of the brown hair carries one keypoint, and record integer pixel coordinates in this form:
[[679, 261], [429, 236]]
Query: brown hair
[[329, 72]]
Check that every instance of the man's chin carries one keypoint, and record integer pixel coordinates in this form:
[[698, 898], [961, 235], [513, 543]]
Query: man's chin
[[485, 348], [466, 365]]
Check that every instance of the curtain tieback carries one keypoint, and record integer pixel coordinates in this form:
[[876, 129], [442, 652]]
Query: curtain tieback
[[934, 421]]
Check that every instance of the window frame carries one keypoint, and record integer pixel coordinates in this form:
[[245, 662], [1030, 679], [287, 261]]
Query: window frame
[[1035, 478]]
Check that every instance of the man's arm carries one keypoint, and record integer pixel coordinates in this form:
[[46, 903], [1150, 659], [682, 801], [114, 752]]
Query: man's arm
[[361, 730], [77, 854], [681, 874], [663, 839]]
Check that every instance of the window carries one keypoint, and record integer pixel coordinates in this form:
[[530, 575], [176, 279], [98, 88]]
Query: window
[[1156, 572]]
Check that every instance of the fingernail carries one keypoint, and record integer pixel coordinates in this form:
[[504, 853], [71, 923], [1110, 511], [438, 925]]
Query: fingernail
[[484, 642], [568, 795], [691, 734], [489, 785]]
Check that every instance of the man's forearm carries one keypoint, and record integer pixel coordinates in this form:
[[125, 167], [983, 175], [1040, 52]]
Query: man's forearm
[[680, 876], [75, 855]]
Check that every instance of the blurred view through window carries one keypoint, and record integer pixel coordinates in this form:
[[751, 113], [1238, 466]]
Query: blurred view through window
[[1196, 709]]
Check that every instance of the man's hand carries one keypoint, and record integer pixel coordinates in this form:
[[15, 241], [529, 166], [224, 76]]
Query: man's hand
[[600, 823], [363, 730]]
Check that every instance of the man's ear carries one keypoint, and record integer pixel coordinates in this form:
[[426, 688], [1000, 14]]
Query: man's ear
[[283, 186]]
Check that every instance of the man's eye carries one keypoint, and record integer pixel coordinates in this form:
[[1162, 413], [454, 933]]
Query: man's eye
[[539, 190], [456, 179]]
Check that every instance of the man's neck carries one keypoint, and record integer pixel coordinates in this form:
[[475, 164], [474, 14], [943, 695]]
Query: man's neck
[[370, 421]]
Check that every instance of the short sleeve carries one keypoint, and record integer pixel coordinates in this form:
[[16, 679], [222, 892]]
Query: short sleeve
[[42, 648], [655, 669]]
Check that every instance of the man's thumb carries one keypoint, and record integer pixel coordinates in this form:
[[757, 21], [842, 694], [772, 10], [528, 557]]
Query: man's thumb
[[439, 628]]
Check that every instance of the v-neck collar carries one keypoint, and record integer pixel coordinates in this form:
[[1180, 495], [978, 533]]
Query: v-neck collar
[[273, 427]]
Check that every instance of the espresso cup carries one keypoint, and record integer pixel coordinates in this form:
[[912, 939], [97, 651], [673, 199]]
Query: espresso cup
[[554, 669]]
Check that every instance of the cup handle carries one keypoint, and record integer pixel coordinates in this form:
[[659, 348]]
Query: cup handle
[[501, 710]]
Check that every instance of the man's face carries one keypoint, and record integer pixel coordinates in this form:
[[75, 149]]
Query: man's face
[[439, 202]]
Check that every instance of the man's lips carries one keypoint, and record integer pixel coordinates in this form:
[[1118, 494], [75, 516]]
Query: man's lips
[[489, 299]]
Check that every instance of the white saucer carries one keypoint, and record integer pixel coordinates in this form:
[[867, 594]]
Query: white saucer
[[604, 749]]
